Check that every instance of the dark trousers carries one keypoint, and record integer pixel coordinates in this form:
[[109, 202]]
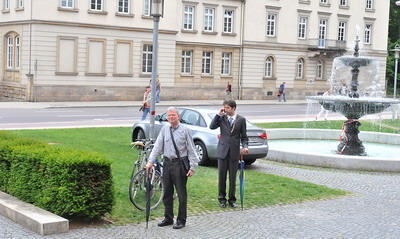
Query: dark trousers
[[174, 176], [224, 166]]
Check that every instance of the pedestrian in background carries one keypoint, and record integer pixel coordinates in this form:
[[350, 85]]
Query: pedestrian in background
[[176, 144], [228, 91], [282, 94], [146, 102], [323, 110], [233, 132], [158, 90]]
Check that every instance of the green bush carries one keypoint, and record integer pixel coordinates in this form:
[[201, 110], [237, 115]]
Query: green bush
[[66, 182]]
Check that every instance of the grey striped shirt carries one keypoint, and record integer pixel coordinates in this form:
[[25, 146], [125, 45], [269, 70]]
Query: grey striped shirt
[[184, 143]]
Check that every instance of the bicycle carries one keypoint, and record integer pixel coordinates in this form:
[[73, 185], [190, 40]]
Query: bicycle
[[137, 184]]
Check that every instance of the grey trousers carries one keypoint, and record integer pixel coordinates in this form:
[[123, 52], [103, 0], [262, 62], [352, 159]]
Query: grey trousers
[[224, 166]]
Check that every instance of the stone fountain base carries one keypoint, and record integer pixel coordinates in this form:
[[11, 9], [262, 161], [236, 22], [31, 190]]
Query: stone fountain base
[[333, 160]]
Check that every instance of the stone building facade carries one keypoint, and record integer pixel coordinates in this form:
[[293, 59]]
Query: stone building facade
[[93, 50]]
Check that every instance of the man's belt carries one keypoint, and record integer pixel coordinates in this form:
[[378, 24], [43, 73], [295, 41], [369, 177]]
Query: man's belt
[[166, 159]]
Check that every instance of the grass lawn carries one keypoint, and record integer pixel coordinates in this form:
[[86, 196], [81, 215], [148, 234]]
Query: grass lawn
[[261, 189]]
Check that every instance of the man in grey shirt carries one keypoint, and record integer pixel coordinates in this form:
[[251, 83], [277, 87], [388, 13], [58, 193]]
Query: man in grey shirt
[[174, 172]]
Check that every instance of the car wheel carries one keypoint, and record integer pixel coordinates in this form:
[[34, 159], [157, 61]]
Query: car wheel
[[202, 152], [249, 161], [138, 134]]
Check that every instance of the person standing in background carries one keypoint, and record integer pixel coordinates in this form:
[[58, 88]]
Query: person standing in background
[[146, 102], [282, 94]]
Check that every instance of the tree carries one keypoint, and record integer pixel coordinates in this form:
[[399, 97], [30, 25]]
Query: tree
[[394, 38]]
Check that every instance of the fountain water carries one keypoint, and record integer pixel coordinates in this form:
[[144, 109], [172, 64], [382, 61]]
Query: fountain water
[[354, 99]]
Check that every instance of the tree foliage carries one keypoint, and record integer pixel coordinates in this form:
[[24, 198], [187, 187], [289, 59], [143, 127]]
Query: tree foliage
[[394, 39]]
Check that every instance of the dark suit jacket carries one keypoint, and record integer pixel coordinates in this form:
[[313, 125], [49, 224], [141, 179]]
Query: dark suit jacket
[[230, 137]]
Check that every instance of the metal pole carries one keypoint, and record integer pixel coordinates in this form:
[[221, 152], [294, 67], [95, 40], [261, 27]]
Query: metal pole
[[156, 21], [395, 78]]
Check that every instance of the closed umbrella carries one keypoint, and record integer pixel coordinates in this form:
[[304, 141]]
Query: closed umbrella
[[241, 180], [149, 187]]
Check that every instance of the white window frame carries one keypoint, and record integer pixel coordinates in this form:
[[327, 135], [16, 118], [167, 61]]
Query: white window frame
[[96, 4], [368, 33], [20, 4], [226, 63], [271, 24], [186, 64], [320, 69], [209, 16], [302, 28], [228, 23], [67, 3], [17, 52], [342, 31], [10, 52], [188, 17], [146, 8], [147, 58], [369, 4], [300, 68], [6, 4], [343, 3], [322, 32], [124, 5], [206, 63], [269, 67]]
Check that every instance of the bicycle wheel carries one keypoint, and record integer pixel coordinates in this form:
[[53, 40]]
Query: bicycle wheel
[[137, 190]]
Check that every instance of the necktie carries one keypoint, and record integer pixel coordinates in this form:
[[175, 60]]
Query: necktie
[[230, 121]]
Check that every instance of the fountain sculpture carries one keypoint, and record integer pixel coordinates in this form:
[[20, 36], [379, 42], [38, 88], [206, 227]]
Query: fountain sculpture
[[353, 105]]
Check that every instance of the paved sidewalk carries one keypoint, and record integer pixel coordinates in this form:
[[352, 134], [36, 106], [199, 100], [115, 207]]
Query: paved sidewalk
[[371, 212], [41, 105]]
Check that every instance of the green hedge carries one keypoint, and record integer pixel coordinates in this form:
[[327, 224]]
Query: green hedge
[[66, 182]]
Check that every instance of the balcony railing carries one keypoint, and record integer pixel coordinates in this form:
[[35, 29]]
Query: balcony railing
[[326, 44]]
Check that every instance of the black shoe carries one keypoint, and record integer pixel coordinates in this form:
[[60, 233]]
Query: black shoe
[[165, 222], [232, 204], [222, 204], [178, 225]]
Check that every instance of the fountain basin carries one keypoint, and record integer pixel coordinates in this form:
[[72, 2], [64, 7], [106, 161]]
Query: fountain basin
[[333, 160], [354, 108]]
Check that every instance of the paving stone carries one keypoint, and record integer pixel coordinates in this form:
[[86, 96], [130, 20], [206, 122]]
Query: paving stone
[[372, 211]]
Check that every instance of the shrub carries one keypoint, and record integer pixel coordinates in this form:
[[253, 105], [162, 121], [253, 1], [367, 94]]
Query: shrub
[[66, 182]]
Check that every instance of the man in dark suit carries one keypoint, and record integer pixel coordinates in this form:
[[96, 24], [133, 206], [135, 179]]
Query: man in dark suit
[[233, 132]]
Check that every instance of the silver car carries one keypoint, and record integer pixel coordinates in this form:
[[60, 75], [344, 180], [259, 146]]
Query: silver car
[[206, 139]]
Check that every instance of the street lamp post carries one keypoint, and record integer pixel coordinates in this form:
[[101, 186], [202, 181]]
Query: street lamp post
[[156, 13], [396, 63]]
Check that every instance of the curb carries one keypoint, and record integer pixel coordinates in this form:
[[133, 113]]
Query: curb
[[31, 217]]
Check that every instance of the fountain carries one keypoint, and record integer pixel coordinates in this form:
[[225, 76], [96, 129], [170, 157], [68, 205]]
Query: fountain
[[353, 106], [356, 92]]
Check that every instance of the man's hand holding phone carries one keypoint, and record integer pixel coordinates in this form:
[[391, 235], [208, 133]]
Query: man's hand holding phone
[[221, 112]]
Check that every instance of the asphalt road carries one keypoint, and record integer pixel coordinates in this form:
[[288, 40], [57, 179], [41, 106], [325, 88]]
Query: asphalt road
[[126, 116]]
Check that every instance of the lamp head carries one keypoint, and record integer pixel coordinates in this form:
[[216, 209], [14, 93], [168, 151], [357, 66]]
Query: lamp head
[[157, 8]]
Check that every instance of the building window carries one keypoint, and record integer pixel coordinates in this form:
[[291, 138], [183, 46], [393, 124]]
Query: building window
[[13, 51], [320, 69], [123, 6], [67, 51], [147, 58], [343, 3], [369, 4], [342, 31], [186, 67], [322, 33], [209, 19], [188, 18], [271, 25], [67, 3], [226, 63], [96, 5], [302, 31], [146, 7], [20, 3], [300, 68], [6, 4], [228, 21], [323, 1], [206, 62], [367, 33], [269, 67]]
